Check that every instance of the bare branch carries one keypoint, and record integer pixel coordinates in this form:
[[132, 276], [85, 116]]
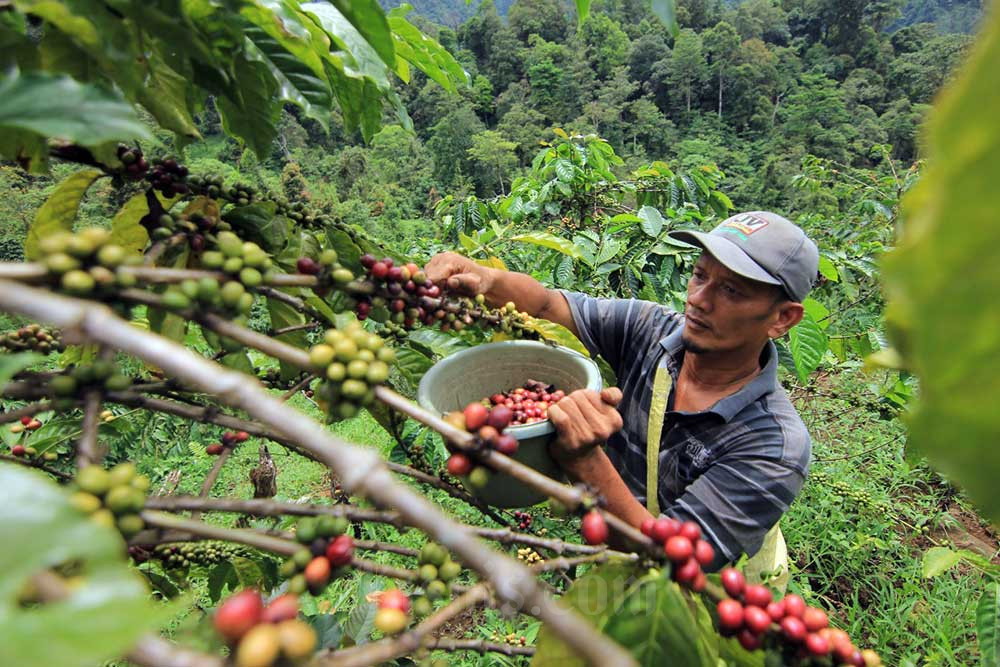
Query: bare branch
[[87, 451], [360, 469], [34, 463]]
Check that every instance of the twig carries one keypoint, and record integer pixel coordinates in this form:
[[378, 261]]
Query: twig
[[299, 386], [294, 327], [248, 537], [87, 451], [360, 469], [33, 463], [479, 645], [450, 489], [212, 476], [160, 247], [29, 410]]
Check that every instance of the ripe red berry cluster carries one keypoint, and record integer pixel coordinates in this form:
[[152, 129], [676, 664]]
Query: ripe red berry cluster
[[398, 287], [135, 163], [168, 177], [229, 440], [329, 548], [26, 424], [751, 611], [683, 545], [262, 635], [328, 270], [488, 424], [523, 519], [529, 403]]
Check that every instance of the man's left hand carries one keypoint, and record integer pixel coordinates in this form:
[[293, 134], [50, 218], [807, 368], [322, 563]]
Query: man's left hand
[[584, 419]]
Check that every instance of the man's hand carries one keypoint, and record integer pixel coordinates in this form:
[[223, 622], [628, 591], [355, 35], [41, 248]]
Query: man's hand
[[459, 274], [584, 420]]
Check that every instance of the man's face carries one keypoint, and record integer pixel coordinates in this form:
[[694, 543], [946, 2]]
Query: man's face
[[727, 312]]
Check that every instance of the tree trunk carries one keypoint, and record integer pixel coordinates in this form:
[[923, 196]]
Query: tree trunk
[[720, 94], [689, 98]]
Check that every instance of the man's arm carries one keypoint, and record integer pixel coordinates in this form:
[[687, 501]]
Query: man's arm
[[463, 275]]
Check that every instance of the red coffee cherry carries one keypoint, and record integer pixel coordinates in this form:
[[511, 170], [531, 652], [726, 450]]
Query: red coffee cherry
[[647, 526], [730, 614], [394, 598], [317, 572], [665, 528], [815, 619], [214, 449], [282, 608], [241, 436], [704, 553], [817, 645], [25, 420], [733, 581], [678, 548], [475, 416], [757, 595], [687, 572], [756, 619], [238, 614], [500, 417], [700, 580], [459, 464], [794, 606], [340, 551], [776, 610], [748, 640], [794, 628], [691, 530], [506, 444], [593, 528]]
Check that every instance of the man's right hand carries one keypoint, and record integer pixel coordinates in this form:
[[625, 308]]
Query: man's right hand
[[459, 274]]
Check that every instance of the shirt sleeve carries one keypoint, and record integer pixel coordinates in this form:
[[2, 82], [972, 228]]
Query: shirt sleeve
[[618, 329], [737, 500]]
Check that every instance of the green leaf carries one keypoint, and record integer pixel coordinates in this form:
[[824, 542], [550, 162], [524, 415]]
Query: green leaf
[[817, 311], [258, 223], [556, 333], [651, 221], [939, 559], [60, 107], [595, 596], [164, 93], [425, 54], [248, 573], [412, 364], [564, 272], [582, 11], [12, 364], [988, 626], [939, 281], [283, 315], [348, 252], [547, 240], [439, 343], [807, 344], [59, 210], [278, 38], [125, 228], [366, 59], [657, 626], [164, 322], [827, 269], [217, 579], [101, 617], [367, 17], [251, 112]]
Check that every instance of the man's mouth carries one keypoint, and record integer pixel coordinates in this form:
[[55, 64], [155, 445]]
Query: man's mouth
[[701, 324]]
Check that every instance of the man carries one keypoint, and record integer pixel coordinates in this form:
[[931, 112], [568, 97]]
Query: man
[[732, 452]]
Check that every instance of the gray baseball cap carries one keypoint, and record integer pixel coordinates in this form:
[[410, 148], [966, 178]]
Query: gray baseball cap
[[762, 246]]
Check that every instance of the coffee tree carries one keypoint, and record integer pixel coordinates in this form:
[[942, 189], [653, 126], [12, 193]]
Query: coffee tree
[[351, 323]]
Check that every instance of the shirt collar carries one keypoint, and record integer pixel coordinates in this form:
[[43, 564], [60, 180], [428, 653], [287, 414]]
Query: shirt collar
[[728, 407]]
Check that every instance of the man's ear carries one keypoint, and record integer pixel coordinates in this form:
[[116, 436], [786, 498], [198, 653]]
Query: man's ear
[[790, 313]]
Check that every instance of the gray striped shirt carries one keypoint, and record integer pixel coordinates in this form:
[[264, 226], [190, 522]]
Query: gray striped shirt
[[735, 467]]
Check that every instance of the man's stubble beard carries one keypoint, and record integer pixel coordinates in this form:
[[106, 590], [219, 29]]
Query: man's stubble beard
[[691, 346]]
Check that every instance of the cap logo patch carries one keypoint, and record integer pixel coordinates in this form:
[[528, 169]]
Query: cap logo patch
[[745, 223]]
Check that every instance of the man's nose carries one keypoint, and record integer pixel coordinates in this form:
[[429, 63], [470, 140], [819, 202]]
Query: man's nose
[[700, 297]]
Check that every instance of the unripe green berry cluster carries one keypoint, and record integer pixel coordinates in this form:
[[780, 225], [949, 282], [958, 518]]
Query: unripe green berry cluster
[[436, 574], [195, 225], [87, 261], [327, 550], [353, 362], [102, 374], [32, 337], [244, 260], [328, 270], [112, 497], [199, 553]]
